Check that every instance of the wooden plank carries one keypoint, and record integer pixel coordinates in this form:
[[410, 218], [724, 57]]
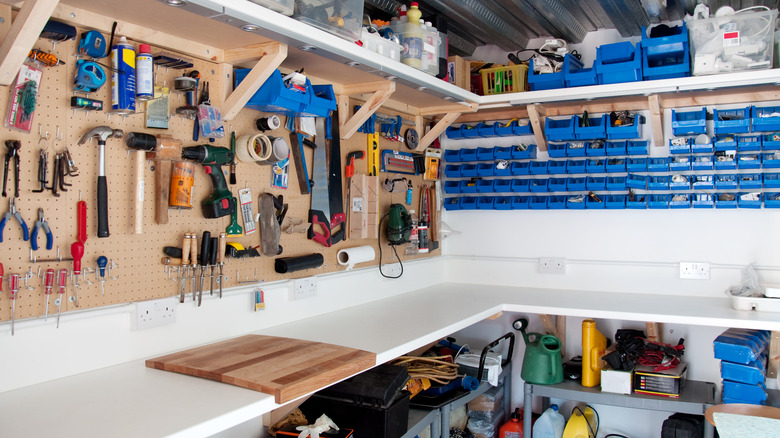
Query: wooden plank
[[458, 107], [495, 114], [774, 356], [656, 118], [548, 322], [631, 103], [384, 90], [436, 130], [283, 367], [272, 56], [651, 329], [560, 330], [535, 114], [22, 36], [762, 93], [6, 17]]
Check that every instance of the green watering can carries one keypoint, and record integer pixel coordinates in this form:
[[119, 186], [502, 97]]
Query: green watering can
[[542, 361]]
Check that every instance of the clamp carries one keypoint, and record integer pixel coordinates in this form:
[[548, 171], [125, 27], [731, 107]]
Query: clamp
[[12, 212], [41, 223]]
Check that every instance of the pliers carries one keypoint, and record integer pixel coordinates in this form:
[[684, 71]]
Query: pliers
[[12, 212], [41, 223], [13, 152]]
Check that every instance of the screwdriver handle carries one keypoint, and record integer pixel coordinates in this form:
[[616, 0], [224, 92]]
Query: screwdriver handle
[[214, 249], [81, 215], [62, 280], [48, 280], [222, 248], [205, 245], [102, 262], [193, 249], [13, 284], [185, 250], [2, 272], [77, 251]]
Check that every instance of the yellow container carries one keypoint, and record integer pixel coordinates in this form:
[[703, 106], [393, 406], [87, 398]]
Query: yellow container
[[499, 80], [594, 345]]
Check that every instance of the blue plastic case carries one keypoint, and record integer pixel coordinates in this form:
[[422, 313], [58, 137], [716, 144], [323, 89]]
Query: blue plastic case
[[689, 122]]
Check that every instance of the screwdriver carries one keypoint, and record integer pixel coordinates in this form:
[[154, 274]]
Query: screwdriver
[[205, 244], [213, 248], [1, 277], [76, 251], [193, 260], [81, 219], [62, 281], [221, 259], [48, 282], [13, 284], [185, 262], [102, 262]]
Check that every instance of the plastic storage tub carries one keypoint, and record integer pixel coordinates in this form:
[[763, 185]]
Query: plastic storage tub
[[618, 62], [738, 42], [544, 81], [732, 121], [689, 122], [666, 57], [560, 129], [343, 18], [575, 75], [597, 128], [274, 97], [765, 118], [383, 46]]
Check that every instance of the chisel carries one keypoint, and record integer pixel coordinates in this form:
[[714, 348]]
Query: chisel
[[213, 247], [185, 262], [205, 244], [221, 259], [194, 261]]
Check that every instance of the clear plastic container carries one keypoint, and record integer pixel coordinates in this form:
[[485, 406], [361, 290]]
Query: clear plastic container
[[343, 18], [382, 46], [550, 424], [281, 6]]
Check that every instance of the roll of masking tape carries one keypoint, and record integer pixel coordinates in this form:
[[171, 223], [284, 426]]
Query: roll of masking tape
[[279, 150], [253, 148]]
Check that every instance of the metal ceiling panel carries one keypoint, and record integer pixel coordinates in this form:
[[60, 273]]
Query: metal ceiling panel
[[481, 21]]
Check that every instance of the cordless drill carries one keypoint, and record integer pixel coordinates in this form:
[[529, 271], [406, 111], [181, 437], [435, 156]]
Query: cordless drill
[[221, 201]]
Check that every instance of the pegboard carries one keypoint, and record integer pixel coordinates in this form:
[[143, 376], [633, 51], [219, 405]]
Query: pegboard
[[138, 272]]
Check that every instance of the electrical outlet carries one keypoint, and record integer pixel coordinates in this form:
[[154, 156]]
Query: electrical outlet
[[694, 271], [552, 265], [304, 288], [153, 313], [392, 269]]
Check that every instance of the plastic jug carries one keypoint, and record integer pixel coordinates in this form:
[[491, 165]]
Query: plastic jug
[[593, 346], [542, 361], [550, 424], [412, 38], [514, 427]]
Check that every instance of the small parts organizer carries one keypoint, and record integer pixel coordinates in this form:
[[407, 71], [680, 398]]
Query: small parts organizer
[[592, 167]]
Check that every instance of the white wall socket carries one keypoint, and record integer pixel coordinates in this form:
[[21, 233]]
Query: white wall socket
[[392, 269], [304, 288], [153, 313], [552, 265], [694, 271]]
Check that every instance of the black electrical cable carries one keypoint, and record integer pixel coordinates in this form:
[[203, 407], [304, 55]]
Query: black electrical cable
[[615, 435], [598, 421], [379, 241]]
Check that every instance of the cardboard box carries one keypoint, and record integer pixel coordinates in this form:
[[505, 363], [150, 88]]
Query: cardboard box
[[667, 383], [619, 382]]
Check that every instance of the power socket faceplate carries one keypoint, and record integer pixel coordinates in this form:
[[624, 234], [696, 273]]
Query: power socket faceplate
[[552, 265], [153, 313], [694, 271], [304, 288]]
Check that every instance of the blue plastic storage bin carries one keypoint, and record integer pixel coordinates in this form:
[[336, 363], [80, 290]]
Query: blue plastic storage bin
[[485, 169], [557, 202], [502, 168], [274, 97], [724, 143], [502, 186], [596, 183], [468, 186], [575, 74], [577, 184], [452, 204], [502, 203], [485, 202], [520, 185], [537, 185], [680, 200], [618, 62], [749, 143], [701, 148], [703, 182], [454, 133], [772, 200], [544, 81], [680, 145], [576, 202], [485, 154], [322, 101], [524, 129], [537, 202], [597, 128], [658, 164], [485, 130], [485, 186], [772, 180], [556, 150], [468, 170], [732, 121], [502, 152], [556, 184], [616, 183], [451, 187], [770, 160], [636, 147], [519, 168], [615, 202], [666, 57], [616, 165], [469, 131], [596, 148], [468, 154], [749, 200], [616, 148], [595, 202], [749, 160], [702, 162], [634, 181], [520, 202], [538, 168], [559, 129], [524, 151], [724, 200], [575, 166], [658, 201], [469, 203], [736, 392], [680, 182], [504, 129], [636, 165], [639, 202], [726, 181], [626, 132], [689, 122], [595, 165], [765, 118], [702, 200], [679, 163], [556, 167], [658, 182], [725, 162], [576, 149], [452, 171], [452, 156]]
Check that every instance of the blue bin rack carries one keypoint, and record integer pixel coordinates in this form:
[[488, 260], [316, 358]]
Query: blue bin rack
[[502, 203], [726, 181], [636, 147], [749, 143], [557, 202], [485, 154], [575, 74], [468, 170], [616, 148], [615, 202], [732, 121], [486, 169], [454, 133], [680, 163], [638, 203], [724, 143], [452, 155], [595, 203], [504, 129], [772, 200], [616, 165], [722, 200], [658, 164], [502, 168], [538, 168], [502, 186], [749, 200], [560, 129], [469, 203], [537, 202], [485, 202], [468, 186], [468, 155], [577, 184], [658, 182], [616, 183], [726, 162], [618, 62], [658, 201], [519, 168], [680, 182], [703, 182], [597, 128], [520, 202], [595, 165], [634, 181], [576, 149], [680, 145], [544, 81], [596, 148], [485, 130], [772, 180], [452, 171], [451, 187], [538, 185], [699, 148], [596, 183], [750, 181], [702, 200], [689, 122], [576, 202], [468, 131], [556, 150], [702, 162], [575, 166], [502, 152], [451, 204], [770, 160], [626, 132], [666, 57], [766, 118], [749, 160], [636, 165], [520, 185], [524, 129], [556, 184], [524, 151], [556, 167], [680, 200]]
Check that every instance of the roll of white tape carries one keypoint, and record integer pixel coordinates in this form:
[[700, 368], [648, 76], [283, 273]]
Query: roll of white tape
[[351, 256], [253, 148]]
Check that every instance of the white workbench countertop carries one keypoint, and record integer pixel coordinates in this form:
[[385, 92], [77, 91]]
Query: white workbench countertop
[[130, 400]]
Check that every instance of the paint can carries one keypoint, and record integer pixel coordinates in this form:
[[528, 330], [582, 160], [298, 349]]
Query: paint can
[[144, 69], [123, 78], [182, 179]]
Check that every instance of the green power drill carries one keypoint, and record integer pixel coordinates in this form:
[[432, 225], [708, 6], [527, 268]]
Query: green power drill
[[221, 201]]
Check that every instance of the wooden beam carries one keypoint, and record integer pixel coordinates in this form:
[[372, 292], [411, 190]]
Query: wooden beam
[[498, 114], [762, 93], [633, 103], [560, 329], [382, 91], [535, 114], [6, 16], [344, 111], [651, 329], [459, 108], [419, 125], [656, 118], [22, 36], [272, 55], [436, 130], [548, 323]]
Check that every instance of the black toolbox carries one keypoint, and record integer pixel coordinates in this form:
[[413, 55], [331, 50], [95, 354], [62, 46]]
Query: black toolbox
[[372, 403]]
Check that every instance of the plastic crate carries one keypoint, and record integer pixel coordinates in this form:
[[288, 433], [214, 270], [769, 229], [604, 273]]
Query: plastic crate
[[748, 143], [500, 80], [703, 182], [556, 167], [666, 57], [383, 46], [520, 202], [451, 204], [274, 97], [616, 183], [556, 150], [702, 200], [614, 202], [322, 14], [597, 128], [750, 181], [559, 129], [544, 81], [575, 166], [556, 202], [576, 149], [766, 118], [574, 73], [679, 163], [618, 62], [485, 169], [636, 147], [658, 201], [524, 152], [689, 122], [616, 165], [520, 185], [596, 183], [680, 200], [578, 184], [732, 121], [519, 168], [616, 148], [502, 203]]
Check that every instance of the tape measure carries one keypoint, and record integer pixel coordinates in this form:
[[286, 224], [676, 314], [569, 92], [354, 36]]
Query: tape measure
[[89, 77], [92, 44]]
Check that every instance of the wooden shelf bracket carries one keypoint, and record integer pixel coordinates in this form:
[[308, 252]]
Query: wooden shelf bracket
[[271, 56], [22, 36], [382, 90], [451, 114], [655, 104]]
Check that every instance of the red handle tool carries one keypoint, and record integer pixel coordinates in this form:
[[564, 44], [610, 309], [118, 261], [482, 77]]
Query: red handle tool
[[350, 169], [77, 251], [1, 277], [48, 282], [62, 281], [13, 284], [81, 215]]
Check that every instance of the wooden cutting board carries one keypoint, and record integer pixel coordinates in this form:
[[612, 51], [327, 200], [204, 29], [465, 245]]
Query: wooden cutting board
[[283, 367]]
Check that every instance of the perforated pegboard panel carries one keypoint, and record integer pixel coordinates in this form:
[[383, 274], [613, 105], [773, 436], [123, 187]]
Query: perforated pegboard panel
[[139, 273]]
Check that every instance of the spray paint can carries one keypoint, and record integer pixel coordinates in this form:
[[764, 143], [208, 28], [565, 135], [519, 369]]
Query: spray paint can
[[144, 70], [182, 179], [123, 78]]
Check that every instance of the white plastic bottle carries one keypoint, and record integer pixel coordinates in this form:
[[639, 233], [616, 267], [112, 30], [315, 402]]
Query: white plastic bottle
[[431, 49], [412, 39], [550, 424]]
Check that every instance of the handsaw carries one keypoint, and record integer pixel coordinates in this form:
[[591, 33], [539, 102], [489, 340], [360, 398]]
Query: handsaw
[[335, 187], [319, 213]]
